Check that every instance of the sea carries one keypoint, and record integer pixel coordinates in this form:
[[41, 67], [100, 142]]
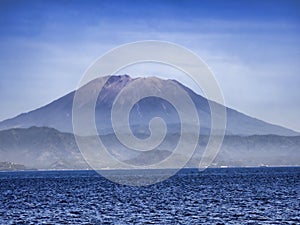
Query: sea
[[262, 195]]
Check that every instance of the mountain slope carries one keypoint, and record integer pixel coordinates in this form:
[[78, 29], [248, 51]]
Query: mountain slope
[[39, 147], [58, 114]]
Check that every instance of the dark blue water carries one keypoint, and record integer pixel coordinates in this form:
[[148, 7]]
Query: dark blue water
[[216, 196]]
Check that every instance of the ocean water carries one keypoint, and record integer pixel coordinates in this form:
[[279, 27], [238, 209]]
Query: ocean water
[[215, 196]]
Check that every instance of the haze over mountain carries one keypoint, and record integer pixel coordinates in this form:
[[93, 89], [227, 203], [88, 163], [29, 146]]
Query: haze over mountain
[[58, 114], [47, 148], [43, 138]]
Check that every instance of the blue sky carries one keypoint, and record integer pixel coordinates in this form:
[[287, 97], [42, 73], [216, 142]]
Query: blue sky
[[253, 48]]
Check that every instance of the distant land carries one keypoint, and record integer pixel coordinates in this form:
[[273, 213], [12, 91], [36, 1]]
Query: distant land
[[44, 139], [47, 148], [10, 166]]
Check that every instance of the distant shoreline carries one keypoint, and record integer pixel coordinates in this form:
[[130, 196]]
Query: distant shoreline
[[107, 170]]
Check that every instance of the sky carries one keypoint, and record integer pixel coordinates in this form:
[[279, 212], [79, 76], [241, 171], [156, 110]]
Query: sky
[[252, 47]]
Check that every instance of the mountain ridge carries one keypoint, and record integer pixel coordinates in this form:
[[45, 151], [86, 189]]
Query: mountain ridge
[[47, 148]]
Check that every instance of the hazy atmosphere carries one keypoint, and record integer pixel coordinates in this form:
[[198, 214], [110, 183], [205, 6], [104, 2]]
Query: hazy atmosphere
[[253, 48], [149, 112]]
